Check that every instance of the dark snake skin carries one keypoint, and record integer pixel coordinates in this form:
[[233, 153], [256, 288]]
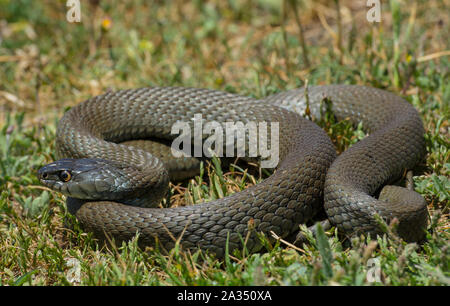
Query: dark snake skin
[[308, 176]]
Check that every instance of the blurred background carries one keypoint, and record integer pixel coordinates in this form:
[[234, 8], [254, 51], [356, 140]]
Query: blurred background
[[252, 47]]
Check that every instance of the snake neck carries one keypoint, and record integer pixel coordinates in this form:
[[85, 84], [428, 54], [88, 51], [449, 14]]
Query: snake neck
[[140, 178]]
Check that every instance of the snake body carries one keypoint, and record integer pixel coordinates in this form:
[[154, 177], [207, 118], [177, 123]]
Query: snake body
[[108, 177]]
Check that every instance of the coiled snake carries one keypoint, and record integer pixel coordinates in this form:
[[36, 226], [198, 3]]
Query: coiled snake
[[103, 177]]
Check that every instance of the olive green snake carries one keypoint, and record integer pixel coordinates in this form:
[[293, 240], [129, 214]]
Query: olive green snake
[[108, 180]]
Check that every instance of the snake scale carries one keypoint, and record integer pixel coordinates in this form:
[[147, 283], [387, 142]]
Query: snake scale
[[107, 180]]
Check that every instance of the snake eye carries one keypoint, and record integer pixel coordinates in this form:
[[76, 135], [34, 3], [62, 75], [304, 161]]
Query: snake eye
[[65, 176]]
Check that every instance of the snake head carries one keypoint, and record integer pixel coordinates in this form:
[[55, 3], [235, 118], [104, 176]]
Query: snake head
[[87, 179]]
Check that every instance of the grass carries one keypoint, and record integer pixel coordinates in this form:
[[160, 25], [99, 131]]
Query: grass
[[249, 47]]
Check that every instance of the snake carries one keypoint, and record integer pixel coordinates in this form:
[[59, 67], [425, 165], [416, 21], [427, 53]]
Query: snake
[[114, 170]]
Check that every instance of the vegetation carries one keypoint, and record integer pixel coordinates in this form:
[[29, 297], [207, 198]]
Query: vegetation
[[252, 47]]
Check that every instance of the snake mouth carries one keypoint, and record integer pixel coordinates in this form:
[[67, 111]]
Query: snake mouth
[[47, 175], [86, 179], [59, 176], [50, 183], [70, 189]]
